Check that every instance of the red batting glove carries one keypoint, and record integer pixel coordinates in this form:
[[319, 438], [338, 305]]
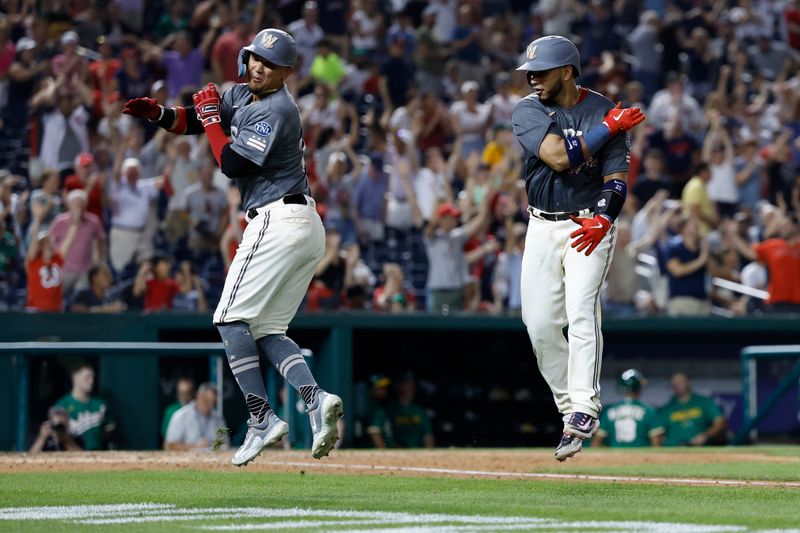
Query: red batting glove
[[143, 108], [207, 105], [591, 233], [618, 120]]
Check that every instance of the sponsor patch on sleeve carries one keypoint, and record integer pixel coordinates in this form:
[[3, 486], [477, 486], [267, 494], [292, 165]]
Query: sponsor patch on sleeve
[[263, 129]]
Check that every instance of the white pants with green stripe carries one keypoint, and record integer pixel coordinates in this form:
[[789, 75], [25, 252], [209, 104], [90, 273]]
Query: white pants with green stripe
[[561, 287], [273, 266]]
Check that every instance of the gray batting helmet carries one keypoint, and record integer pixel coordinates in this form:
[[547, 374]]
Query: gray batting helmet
[[276, 46], [551, 51]]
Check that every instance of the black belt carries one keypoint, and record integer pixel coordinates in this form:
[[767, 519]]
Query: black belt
[[299, 199], [555, 217]]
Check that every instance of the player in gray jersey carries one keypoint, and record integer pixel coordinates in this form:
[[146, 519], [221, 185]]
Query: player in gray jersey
[[576, 164], [255, 135]]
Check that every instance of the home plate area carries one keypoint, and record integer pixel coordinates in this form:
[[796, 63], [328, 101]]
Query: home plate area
[[256, 519]]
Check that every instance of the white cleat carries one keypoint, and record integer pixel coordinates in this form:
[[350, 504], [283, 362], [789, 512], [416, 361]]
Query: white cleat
[[324, 413], [259, 437]]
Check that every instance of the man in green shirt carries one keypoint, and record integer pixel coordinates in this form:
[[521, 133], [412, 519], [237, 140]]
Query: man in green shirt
[[691, 419], [184, 393], [89, 422], [631, 422], [410, 423]]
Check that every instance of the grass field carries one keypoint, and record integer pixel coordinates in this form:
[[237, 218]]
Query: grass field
[[446, 490]]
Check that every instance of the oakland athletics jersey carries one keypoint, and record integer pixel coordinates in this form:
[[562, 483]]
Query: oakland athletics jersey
[[409, 424], [268, 133], [629, 423], [88, 422], [577, 188], [684, 421]]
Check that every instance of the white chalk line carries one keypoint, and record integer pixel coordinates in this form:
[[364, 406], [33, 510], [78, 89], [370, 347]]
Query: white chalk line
[[329, 520], [542, 475]]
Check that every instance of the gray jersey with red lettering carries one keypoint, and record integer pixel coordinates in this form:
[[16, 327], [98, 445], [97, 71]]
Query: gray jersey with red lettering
[[268, 133], [577, 188]]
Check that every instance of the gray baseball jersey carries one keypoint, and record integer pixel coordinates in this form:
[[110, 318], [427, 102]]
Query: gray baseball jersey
[[268, 133], [577, 188]]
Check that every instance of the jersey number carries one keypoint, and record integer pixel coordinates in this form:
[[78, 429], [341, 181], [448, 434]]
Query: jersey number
[[625, 429]]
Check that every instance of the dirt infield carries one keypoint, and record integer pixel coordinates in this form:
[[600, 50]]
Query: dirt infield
[[511, 464]]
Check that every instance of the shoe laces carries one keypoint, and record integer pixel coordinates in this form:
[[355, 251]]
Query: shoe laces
[[581, 420]]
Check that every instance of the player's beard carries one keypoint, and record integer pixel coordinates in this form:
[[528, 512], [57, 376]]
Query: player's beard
[[553, 93]]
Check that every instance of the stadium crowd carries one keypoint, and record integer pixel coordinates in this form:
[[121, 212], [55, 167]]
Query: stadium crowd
[[406, 111]]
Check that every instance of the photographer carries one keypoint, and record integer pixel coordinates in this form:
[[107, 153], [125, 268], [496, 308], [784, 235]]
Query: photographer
[[53, 434]]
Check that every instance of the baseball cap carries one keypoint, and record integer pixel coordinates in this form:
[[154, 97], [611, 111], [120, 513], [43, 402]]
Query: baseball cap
[[25, 43], [448, 209], [69, 37], [84, 159], [77, 193], [469, 85], [380, 380]]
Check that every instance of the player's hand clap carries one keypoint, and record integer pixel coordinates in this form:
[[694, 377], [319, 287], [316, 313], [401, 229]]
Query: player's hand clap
[[618, 120], [143, 108], [207, 105], [591, 232]]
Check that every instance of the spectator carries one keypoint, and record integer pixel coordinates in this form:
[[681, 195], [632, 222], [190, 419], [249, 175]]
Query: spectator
[[652, 180], [503, 101], [631, 422], [508, 271], [196, 424], [154, 282], [718, 154], [88, 178], [749, 174], [65, 121], [410, 423], [225, 52], [207, 212], [130, 200], [69, 66], [97, 298], [47, 201], [696, 201], [691, 419], [183, 63], [88, 241], [369, 213], [444, 243], [647, 51], [191, 290], [90, 424], [673, 103], [432, 184], [466, 44], [327, 67], [397, 76], [430, 54], [366, 25], [8, 263], [307, 34], [393, 296], [470, 119], [329, 279], [134, 78], [341, 190], [686, 258], [44, 264], [184, 393], [54, 433], [376, 410]]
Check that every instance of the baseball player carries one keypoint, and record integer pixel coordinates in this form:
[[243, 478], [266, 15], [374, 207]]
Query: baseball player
[[576, 159], [631, 422], [282, 243]]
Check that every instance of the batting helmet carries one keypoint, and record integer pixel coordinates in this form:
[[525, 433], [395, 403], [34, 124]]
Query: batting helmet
[[276, 46], [630, 381], [551, 51]]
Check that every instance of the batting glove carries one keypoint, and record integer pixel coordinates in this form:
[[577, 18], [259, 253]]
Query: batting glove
[[618, 120], [207, 105], [591, 232], [143, 108]]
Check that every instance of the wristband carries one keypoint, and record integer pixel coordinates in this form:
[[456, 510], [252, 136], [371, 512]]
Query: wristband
[[595, 138], [574, 151], [612, 198]]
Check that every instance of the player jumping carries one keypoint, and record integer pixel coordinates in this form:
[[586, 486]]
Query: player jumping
[[282, 243], [576, 165]]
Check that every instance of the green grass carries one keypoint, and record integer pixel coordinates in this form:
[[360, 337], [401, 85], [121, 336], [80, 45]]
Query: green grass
[[743, 506]]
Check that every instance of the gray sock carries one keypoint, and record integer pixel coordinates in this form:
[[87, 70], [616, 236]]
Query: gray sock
[[243, 358], [285, 356]]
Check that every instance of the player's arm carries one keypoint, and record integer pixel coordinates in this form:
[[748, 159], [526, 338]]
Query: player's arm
[[177, 119], [606, 210], [562, 153]]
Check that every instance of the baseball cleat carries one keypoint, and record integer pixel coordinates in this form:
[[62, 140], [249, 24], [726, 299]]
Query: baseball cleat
[[581, 425], [324, 413], [569, 446], [259, 437]]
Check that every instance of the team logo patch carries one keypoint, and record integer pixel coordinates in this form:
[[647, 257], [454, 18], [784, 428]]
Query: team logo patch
[[263, 129], [532, 51], [269, 40]]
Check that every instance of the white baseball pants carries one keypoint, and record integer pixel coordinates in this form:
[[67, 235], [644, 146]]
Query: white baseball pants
[[273, 266], [561, 287]]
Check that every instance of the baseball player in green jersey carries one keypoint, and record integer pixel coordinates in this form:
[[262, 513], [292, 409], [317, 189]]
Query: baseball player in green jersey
[[631, 422], [692, 419], [89, 421]]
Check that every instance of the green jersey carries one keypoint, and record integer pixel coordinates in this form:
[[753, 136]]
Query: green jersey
[[87, 421], [629, 423], [409, 424], [684, 421]]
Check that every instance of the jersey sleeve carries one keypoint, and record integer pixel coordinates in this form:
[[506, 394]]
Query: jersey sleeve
[[616, 155], [655, 426], [256, 138], [530, 125], [175, 429]]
